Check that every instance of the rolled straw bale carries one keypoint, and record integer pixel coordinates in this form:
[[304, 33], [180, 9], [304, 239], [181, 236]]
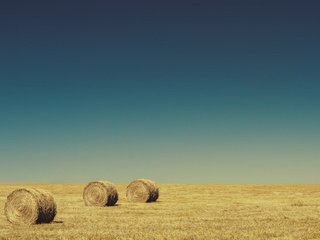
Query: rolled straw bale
[[30, 206], [142, 190], [100, 193]]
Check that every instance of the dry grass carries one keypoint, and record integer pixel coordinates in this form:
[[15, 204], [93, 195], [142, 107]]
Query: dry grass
[[182, 212]]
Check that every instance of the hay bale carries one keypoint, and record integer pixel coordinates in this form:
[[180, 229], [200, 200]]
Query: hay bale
[[30, 206], [100, 193], [142, 190]]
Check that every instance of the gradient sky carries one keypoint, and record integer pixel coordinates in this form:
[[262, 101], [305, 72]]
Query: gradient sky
[[179, 92]]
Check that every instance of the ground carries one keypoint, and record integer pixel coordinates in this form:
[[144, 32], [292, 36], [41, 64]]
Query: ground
[[182, 212]]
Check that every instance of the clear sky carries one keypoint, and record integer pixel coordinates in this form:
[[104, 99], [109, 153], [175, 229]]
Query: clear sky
[[176, 91]]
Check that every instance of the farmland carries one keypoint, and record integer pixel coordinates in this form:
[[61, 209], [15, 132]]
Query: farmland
[[181, 212]]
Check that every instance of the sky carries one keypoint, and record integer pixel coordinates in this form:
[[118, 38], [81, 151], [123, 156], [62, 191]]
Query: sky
[[175, 91]]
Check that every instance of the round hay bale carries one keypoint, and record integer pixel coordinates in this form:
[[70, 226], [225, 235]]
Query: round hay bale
[[30, 206], [142, 190], [100, 193]]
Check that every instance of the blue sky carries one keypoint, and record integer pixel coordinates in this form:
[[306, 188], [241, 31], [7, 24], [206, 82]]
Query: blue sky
[[205, 92]]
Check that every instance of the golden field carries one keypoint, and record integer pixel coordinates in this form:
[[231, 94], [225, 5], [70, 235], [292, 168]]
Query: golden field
[[182, 212]]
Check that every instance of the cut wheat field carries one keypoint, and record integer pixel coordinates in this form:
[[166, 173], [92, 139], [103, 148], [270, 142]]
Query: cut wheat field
[[181, 212]]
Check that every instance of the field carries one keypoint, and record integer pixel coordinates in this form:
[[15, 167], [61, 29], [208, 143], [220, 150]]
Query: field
[[182, 212]]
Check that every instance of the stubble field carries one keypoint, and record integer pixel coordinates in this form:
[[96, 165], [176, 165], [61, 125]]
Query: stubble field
[[182, 212]]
